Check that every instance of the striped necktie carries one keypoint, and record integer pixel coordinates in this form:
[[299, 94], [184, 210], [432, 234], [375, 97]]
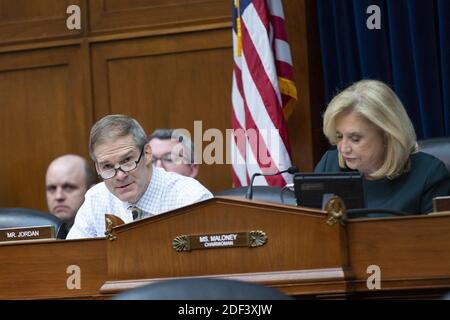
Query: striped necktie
[[135, 212]]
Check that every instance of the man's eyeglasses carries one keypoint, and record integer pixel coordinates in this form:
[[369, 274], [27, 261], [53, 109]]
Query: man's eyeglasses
[[169, 159], [166, 158], [126, 166]]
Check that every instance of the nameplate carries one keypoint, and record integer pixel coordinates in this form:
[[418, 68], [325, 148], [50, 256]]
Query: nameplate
[[219, 240], [27, 233]]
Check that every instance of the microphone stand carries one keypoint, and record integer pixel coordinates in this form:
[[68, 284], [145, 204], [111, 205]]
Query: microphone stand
[[249, 193]]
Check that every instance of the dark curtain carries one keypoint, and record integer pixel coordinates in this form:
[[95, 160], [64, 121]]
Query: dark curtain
[[411, 53]]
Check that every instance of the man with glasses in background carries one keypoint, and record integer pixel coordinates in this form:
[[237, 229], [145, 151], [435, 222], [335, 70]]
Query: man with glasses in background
[[132, 187], [173, 151]]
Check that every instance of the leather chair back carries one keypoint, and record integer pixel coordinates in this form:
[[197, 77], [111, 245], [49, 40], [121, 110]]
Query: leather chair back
[[262, 193], [203, 289], [438, 147], [22, 217]]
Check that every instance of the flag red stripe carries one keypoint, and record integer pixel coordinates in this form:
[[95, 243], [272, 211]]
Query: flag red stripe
[[284, 70], [279, 31], [261, 9]]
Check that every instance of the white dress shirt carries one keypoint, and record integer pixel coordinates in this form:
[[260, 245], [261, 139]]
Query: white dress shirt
[[166, 191]]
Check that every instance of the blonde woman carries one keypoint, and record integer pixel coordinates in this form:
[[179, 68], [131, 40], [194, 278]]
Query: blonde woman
[[374, 136]]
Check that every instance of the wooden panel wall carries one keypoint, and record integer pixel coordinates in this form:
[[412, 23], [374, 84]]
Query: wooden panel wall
[[24, 20], [167, 63], [43, 115], [120, 15]]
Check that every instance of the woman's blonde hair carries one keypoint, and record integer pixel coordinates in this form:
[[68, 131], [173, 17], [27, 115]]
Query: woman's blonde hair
[[377, 103]]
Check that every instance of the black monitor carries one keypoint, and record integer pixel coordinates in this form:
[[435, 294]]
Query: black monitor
[[311, 189]]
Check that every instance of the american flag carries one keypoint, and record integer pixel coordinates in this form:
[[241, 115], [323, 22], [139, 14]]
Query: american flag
[[263, 92]]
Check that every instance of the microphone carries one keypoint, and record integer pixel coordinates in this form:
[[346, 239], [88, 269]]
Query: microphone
[[249, 194]]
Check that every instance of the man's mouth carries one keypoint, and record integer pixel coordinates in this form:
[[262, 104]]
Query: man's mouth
[[60, 208], [124, 186]]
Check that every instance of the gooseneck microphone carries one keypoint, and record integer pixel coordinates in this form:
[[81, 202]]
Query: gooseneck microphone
[[249, 194]]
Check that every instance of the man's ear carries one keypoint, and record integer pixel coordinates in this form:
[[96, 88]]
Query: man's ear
[[148, 153]]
